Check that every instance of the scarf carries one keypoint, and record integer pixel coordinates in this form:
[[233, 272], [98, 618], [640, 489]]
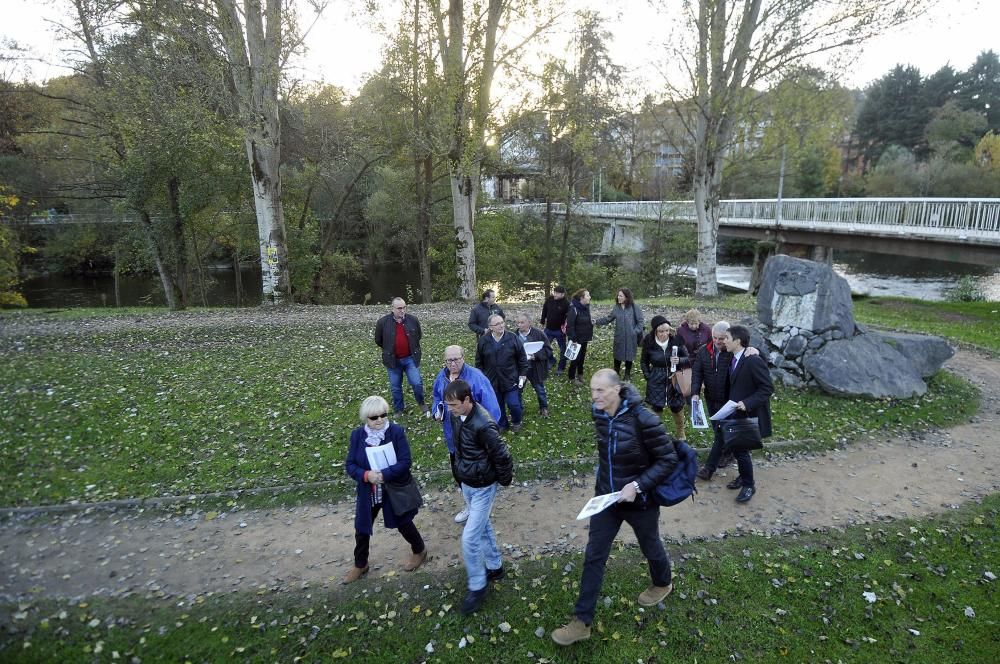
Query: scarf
[[374, 438]]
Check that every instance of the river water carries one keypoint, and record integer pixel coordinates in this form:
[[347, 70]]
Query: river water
[[872, 274]]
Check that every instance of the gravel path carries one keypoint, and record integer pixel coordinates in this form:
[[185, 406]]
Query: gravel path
[[128, 552]]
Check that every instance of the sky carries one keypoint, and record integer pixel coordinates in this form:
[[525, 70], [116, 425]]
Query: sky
[[344, 46]]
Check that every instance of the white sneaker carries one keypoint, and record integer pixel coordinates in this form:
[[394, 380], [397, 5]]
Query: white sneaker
[[462, 516]]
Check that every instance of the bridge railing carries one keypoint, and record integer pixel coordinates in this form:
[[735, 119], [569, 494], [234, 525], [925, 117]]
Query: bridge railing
[[940, 217]]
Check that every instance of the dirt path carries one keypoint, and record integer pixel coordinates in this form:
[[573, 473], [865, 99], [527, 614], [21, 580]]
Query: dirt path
[[124, 553]]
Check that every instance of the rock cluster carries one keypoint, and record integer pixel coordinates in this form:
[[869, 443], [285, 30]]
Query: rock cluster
[[805, 326]]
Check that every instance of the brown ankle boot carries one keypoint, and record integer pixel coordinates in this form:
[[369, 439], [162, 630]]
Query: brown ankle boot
[[415, 560], [354, 574]]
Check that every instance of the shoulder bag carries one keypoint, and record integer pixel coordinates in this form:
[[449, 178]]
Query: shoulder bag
[[404, 496], [741, 435]]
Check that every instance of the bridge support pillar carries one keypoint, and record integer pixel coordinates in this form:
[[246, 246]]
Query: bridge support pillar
[[813, 252]]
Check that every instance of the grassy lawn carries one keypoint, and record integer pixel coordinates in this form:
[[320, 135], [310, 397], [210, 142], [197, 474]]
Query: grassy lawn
[[145, 412], [974, 323], [931, 597]]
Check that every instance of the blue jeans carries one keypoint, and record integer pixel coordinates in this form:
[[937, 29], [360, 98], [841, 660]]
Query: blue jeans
[[561, 340], [510, 400], [479, 543], [604, 527], [543, 398], [405, 364]]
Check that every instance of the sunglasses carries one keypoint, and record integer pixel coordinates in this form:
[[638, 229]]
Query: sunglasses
[[378, 417]]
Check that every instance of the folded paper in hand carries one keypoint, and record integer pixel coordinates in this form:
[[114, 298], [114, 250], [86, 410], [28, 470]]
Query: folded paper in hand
[[598, 504], [532, 347], [698, 419], [381, 457], [725, 411]]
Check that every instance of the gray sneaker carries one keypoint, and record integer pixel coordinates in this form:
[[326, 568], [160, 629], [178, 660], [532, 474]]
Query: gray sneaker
[[462, 516]]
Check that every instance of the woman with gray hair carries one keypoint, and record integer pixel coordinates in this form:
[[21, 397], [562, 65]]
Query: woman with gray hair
[[376, 430]]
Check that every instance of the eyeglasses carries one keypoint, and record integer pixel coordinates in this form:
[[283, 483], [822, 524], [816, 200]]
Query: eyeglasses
[[378, 417], [452, 360]]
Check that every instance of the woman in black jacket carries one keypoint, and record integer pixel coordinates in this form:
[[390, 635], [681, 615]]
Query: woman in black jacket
[[580, 329], [659, 347]]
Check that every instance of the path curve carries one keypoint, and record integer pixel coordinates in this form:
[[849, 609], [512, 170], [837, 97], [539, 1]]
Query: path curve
[[126, 552]]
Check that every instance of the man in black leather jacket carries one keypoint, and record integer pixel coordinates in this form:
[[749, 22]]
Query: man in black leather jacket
[[482, 463], [635, 455]]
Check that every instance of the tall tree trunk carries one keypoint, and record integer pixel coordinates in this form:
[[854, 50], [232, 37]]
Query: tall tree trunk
[[426, 173], [549, 229], [170, 290], [178, 241], [264, 163], [464, 191], [254, 59]]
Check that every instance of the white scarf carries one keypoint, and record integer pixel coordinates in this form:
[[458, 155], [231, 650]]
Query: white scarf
[[376, 437]]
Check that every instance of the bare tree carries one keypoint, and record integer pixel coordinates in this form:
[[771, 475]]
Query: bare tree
[[730, 48], [471, 50]]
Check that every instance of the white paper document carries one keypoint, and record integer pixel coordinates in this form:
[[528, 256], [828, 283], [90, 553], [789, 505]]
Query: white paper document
[[381, 457], [725, 411], [598, 504], [572, 350], [532, 347], [698, 419]]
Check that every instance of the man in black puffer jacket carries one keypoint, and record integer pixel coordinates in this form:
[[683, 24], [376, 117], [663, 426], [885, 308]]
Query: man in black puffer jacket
[[635, 455], [482, 462]]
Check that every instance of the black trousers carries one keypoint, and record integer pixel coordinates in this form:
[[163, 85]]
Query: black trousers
[[604, 527], [407, 530], [576, 366], [628, 367]]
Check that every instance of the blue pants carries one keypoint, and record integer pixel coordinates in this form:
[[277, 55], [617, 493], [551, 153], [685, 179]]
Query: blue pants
[[479, 543], [604, 526], [561, 340], [543, 398], [405, 364], [510, 400]]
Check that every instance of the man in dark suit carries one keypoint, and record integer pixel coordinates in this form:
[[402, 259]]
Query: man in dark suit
[[751, 388]]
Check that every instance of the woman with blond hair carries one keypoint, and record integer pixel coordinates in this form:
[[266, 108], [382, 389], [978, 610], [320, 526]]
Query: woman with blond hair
[[376, 430], [693, 332]]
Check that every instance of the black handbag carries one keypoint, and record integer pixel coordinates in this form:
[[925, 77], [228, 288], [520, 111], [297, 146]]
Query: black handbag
[[741, 435], [404, 496]]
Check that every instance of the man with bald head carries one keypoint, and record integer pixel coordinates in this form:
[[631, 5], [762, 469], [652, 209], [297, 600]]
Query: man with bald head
[[635, 455], [398, 335], [454, 369]]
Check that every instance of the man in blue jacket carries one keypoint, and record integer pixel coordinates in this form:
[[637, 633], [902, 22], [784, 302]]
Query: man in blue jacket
[[454, 369]]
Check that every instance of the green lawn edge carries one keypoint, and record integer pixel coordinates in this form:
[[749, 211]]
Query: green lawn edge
[[892, 591]]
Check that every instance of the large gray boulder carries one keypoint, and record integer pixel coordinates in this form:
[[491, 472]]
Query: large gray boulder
[[925, 352], [864, 365], [798, 293]]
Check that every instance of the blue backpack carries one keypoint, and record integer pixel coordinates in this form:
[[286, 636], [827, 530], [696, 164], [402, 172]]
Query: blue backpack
[[680, 484]]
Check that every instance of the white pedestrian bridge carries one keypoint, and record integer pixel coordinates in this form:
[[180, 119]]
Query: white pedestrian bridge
[[960, 229]]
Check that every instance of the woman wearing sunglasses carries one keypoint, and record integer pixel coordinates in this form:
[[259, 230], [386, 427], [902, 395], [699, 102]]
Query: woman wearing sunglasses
[[375, 432]]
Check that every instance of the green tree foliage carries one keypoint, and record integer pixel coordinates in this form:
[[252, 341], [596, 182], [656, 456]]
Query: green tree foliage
[[10, 275], [803, 119], [979, 88], [895, 112], [953, 133]]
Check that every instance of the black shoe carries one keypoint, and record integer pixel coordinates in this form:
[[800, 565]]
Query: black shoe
[[493, 575], [474, 599], [705, 473], [746, 494], [735, 484]]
